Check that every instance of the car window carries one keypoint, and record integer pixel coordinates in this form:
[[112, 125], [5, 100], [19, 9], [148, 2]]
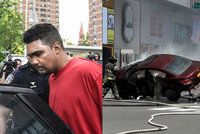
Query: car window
[[21, 119], [179, 65]]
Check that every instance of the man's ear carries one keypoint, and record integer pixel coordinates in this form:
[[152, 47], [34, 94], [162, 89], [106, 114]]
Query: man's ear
[[56, 48]]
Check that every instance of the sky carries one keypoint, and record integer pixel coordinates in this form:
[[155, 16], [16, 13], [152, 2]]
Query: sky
[[72, 13]]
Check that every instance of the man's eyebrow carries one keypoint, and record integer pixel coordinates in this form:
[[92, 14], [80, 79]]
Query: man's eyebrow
[[35, 53]]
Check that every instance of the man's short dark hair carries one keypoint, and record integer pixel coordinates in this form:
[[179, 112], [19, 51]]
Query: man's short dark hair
[[18, 60], [98, 55], [45, 32]]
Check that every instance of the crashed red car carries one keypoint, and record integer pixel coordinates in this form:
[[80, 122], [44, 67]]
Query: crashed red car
[[173, 73]]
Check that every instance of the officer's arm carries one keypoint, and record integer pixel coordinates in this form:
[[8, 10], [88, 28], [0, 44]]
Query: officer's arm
[[3, 75], [12, 78]]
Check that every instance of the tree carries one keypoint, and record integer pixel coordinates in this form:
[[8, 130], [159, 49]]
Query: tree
[[11, 28], [69, 42], [85, 41]]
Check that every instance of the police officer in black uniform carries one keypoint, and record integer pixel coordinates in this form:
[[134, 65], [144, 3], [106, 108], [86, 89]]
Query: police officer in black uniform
[[27, 76]]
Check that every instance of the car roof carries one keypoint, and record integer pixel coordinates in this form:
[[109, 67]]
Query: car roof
[[157, 61], [5, 88]]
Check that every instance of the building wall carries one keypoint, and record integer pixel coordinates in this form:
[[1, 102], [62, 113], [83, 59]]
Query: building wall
[[126, 52], [38, 11], [95, 23], [164, 26], [167, 16], [161, 14], [181, 2], [192, 2], [119, 42]]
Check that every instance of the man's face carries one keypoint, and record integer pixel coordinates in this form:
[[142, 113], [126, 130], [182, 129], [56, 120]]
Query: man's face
[[18, 64], [96, 57], [41, 57]]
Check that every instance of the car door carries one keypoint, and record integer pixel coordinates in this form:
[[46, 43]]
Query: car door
[[25, 112]]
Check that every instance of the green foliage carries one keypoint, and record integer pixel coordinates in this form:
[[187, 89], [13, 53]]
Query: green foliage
[[86, 39], [69, 43], [11, 28]]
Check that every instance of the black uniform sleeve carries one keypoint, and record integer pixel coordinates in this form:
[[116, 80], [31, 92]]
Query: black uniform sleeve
[[16, 78], [12, 78]]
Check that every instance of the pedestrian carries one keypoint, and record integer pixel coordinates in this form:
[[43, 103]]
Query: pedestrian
[[29, 77], [75, 83], [97, 58], [91, 56], [110, 79], [18, 63], [8, 67], [69, 53]]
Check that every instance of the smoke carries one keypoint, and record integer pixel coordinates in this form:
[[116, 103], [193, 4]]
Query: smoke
[[188, 51], [184, 50]]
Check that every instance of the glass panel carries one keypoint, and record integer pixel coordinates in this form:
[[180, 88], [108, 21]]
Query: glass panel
[[179, 65], [21, 119]]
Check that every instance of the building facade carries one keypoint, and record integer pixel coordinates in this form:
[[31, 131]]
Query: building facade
[[192, 2], [95, 23], [39, 11], [185, 3], [155, 27]]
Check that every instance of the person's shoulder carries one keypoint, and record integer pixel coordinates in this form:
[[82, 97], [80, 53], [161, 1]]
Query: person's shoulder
[[23, 67], [88, 67], [15, 75], [22, 70], [83, 62], [109, 65]]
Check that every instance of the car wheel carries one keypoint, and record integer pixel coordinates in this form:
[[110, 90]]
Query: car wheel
[[172, 95]]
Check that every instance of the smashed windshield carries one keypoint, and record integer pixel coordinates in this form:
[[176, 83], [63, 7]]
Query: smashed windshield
[[179, 65]]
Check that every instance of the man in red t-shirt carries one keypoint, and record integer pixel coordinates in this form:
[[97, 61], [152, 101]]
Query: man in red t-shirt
[[75, 83]]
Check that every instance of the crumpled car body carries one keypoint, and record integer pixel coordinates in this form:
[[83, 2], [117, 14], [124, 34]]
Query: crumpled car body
[[171, 74]]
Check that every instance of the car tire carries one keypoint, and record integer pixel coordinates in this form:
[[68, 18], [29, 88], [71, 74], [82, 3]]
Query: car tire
[[172, 95]]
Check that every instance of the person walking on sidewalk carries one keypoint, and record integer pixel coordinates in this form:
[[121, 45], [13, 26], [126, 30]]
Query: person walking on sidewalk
[[110, 79]]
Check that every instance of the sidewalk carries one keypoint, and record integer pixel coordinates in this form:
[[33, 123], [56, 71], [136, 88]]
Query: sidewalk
[[109, 100], [109, 95]]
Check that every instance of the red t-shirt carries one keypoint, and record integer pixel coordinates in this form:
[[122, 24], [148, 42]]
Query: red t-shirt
[[76, 95]]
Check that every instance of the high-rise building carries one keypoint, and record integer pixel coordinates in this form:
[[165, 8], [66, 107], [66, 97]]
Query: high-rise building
[[95, 23], [38, 11]]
